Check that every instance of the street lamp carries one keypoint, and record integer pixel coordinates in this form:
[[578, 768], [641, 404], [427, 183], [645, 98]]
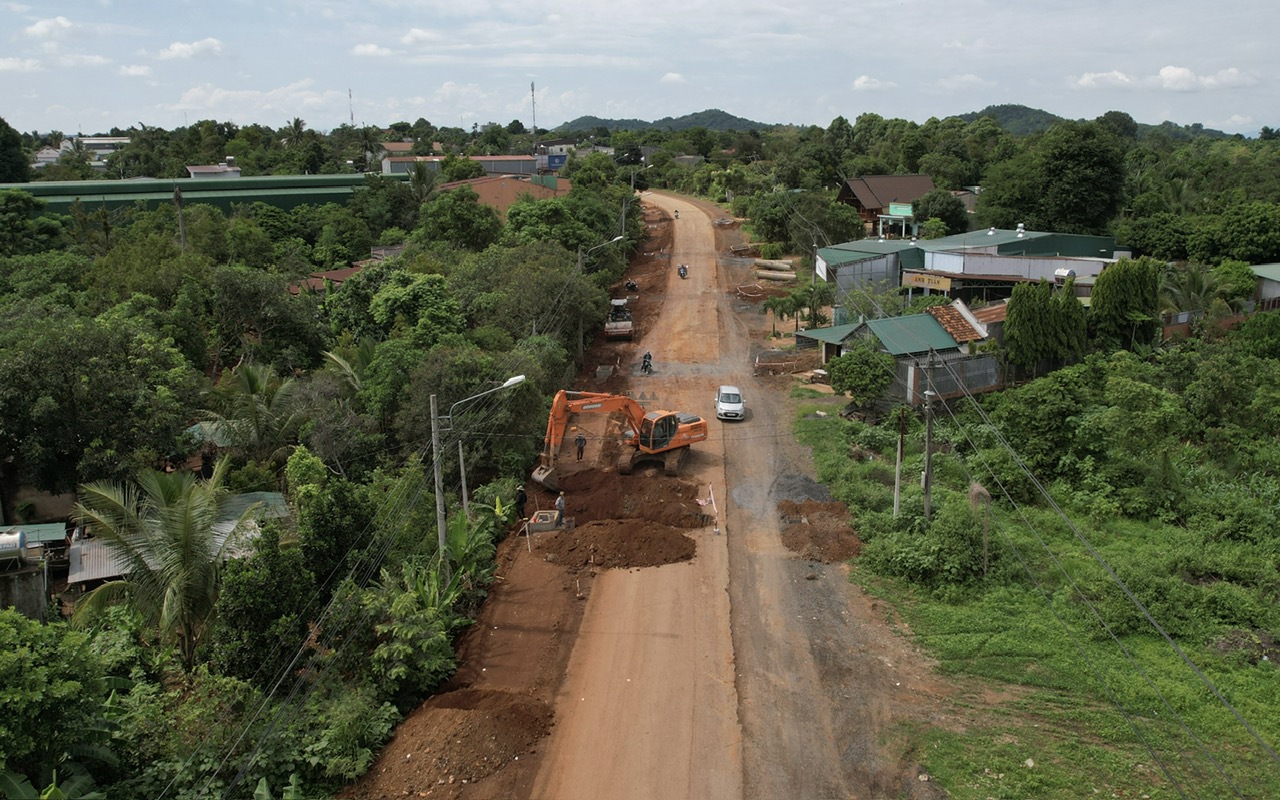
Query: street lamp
[[435, 463], [582, 260]]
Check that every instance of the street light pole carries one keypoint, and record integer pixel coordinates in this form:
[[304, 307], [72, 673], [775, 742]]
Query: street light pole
[[441, 528], [582, 261]]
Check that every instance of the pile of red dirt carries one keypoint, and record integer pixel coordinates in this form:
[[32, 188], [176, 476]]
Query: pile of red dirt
[[594, 495], [818, 531], [471, 733], [609, 544]]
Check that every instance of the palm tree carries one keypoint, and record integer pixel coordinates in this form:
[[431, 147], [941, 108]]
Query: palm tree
[[162, 528], [422, 182], [783, 306], [293, 132], [371, 149], [258, 413], [1187, 288]]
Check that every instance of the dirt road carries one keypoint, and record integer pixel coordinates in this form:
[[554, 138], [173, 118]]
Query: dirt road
[[746, 671]]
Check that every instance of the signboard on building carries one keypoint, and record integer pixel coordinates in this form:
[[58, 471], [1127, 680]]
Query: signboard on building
[[899, 209], [922, 281]]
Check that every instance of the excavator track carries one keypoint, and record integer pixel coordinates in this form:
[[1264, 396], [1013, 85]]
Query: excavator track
[[671, 461]]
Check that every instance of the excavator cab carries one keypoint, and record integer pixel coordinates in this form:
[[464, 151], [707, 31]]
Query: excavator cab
[[657, 430]]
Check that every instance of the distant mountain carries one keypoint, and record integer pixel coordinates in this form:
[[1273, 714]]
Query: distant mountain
[[1018, 120], [1022, 121], [713, 119]]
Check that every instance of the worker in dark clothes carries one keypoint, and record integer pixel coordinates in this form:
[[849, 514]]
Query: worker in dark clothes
[[581, 442], [521, 499]]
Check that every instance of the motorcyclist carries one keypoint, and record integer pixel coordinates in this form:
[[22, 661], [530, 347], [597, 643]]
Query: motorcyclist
[[677, 213], [646, 363]]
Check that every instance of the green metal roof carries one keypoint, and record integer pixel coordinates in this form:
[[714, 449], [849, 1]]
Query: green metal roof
[[914, 333], [1270, 272], [832, 335]]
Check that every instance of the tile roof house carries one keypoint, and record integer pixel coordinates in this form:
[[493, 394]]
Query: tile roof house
[[872, 194]]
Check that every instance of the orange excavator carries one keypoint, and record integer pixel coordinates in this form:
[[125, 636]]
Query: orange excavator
[[654, 436]]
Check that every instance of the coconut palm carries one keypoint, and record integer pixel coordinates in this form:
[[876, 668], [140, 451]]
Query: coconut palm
[[422, 182], [1187, 288], [258, 414], [162, 529], [293, 132]]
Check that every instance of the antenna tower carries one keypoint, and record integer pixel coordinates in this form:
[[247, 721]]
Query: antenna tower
[[351, 109], [533, 97]]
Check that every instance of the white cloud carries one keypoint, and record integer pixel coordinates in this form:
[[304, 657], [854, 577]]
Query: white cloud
[[1104, 80], [866, 83], [1182, 79], [190, 49], [672, 77], [419, 35], [372, 50], [1169, 79], [48, 27], [135, 70]]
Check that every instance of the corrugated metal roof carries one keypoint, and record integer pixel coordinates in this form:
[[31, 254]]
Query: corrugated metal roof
[[832, 335], [1270, 272], [914, 333], [93, 560]]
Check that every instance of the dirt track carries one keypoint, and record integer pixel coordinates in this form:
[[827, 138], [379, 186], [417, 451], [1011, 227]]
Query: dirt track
[[746, 671]]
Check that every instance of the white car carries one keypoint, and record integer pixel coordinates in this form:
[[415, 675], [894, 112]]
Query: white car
[[729, 403]]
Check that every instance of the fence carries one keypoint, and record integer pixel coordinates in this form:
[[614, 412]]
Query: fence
[[948, 377]]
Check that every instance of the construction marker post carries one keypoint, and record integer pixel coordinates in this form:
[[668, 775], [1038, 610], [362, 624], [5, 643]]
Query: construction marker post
[[711, 491]]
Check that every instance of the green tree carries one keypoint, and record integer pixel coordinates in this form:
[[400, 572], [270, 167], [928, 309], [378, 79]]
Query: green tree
[[814, 297], [163, 529], [458, 218], [1071, 180], [254, 412], [1125, 304], [261, 612], [15, 166], [943, 205], [53, 690], [22, 230], [455, 168], [87, 398], [862, 372]]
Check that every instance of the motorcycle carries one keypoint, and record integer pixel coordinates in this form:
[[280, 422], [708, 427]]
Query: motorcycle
[[683, 270], [646, 365], [677, 213], [632, 286]]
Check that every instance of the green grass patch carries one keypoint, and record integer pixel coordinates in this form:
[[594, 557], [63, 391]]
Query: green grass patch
[[1054, 662]]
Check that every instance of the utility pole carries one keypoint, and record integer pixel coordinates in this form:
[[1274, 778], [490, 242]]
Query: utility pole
[[462, 467], [441, 543], [928, 453], [897, 471]]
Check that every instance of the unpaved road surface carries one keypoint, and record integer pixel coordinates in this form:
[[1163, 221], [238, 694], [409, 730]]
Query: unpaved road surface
[[614, 661]]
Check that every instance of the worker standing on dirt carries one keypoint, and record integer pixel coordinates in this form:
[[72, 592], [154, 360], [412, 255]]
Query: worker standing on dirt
[[581, 442], [521, 498], [560, 510]]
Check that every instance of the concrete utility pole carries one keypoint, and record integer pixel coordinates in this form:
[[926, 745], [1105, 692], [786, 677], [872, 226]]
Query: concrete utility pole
[[435, 464], [928, 453], [897, 471]]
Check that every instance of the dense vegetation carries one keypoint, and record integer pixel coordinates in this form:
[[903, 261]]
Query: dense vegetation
[[292, 664]]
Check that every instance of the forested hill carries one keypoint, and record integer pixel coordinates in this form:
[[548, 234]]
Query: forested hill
[[1023, 120], [1018, 120], [713, 119]]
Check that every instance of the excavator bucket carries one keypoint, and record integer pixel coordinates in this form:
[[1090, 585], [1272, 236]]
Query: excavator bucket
[[545, 475]]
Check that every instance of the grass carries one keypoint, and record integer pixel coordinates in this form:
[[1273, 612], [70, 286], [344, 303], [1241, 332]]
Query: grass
[[1039, 676]]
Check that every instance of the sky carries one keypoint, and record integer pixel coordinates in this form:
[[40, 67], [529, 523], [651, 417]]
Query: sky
[[90, 65]]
